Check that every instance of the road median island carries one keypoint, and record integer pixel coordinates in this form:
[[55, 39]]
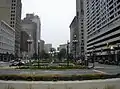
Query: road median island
[[52, 67], [56, 77]]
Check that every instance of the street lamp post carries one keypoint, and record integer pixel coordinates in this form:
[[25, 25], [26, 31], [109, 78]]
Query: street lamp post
[[67, 53], [112, 52], [29, 41], [75, 41], [101, 53], [108, 53], [117, 55], [93, 56], [38, 52]]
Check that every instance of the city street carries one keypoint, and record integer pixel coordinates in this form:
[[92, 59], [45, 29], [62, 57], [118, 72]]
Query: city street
[[99, 68]]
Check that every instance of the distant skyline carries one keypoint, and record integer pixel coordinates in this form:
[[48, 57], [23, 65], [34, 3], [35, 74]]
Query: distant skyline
[[55, 15]]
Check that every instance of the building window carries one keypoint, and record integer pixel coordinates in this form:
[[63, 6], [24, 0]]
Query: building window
[[13, 0], [13, 4], [77, 13], [12, 18], [12, 14], [112, 17], [13, 7], [12, 11]]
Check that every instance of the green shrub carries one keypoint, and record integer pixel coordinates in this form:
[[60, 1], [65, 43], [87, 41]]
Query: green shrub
[[55, 77]]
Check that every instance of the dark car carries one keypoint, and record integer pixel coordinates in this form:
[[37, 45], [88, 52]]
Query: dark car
[[13, 64], [17, 64], [20, 64], [107, 62], [101, 61]]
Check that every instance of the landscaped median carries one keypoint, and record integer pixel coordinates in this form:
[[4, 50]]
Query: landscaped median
[[57, 77], [52, 67]]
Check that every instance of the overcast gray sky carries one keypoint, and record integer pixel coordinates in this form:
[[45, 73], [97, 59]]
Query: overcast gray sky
[[56, 16]]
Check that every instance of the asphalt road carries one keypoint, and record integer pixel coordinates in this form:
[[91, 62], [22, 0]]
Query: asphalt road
[[109, 69], [99, 68]]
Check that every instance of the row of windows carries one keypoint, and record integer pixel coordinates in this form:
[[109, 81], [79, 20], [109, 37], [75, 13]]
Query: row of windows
[[7, 40], [7, 33], [6, 50], [7, 30], [99, 25], [105, 33], [6, 46], [103, 21], [13, 0]]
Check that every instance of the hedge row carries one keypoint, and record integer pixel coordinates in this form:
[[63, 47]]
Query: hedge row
[[52, 67], [57, 77]]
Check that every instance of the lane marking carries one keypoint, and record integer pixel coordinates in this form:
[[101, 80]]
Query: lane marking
[[100, 71]]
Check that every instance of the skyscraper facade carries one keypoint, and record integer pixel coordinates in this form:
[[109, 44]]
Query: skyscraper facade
[[102, 23], [10, 12], [7, 38], [74, 35], [77, 31], [32, 25], [80, 17], [47, 47]]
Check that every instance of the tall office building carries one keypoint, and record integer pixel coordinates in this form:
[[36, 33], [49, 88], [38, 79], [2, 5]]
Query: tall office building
[[32, 25], [42, 44], [47, 47], [24, 44], [77, 30], [102, 22], [10, 12], [7, 38], [74, 35], [80, 17]]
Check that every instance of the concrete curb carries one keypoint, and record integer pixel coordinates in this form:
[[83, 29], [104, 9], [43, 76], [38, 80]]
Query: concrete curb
[[90, 84]]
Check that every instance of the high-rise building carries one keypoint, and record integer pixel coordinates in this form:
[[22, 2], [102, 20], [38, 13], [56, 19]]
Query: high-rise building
[[102, 22], [7, 38], [62, 46], [74, 35], [32, 25], [10, 12], [47, 47], [24, 44], [77, 30], [42, 44], [80, 17]]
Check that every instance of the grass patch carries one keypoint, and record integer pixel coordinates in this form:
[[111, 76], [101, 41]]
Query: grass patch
[[54, 77]]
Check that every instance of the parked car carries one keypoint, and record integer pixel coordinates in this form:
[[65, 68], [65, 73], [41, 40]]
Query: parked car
[[13, 64], [119, 64], [107, 62], [20, 64], [17, 64], [101, 61], [112, 63], [79, 62]]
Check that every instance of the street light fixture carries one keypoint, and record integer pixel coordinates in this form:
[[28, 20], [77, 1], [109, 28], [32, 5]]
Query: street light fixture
[[68, 53], [112, 52], [29, 41], [117, 53], [38, 52], [93, 56], [75, 41], [108, 51], [101, 53]]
